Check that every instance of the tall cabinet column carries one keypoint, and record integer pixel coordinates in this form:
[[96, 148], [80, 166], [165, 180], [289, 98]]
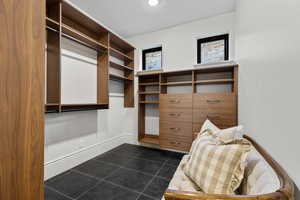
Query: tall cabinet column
[[22, 74]]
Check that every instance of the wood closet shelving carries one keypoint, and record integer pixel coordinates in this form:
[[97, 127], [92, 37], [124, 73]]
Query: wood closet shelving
[[186, 99], [64, 20]]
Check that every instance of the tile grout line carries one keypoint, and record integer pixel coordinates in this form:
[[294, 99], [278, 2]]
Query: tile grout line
[[58, 192], [152, 179]]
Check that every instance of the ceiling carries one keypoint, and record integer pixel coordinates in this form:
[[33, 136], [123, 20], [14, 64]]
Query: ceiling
[[133, 17]]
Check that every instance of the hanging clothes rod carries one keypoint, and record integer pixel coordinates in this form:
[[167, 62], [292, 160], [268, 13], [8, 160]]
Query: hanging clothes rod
[[76, 40]]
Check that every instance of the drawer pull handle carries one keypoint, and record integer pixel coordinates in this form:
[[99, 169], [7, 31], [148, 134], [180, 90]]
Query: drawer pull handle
[[213, 101], [174, 114], [174, 101], [174, 129], [175, 143]]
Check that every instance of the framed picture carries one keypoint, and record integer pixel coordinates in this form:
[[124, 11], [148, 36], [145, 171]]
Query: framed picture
[[213, 49], [152, 59]]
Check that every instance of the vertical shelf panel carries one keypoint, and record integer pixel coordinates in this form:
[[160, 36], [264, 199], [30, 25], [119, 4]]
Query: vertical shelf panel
[[103, 74]]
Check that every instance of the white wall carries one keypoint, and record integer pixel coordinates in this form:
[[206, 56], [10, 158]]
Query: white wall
[[267, 49], [75, 137], [180, 42]]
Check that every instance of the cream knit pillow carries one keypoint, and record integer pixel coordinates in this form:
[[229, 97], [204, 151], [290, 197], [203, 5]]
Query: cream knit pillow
[[217, 168]]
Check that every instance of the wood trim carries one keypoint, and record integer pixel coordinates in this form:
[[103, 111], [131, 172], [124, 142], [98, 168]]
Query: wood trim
[[22, 104], [286, 191]]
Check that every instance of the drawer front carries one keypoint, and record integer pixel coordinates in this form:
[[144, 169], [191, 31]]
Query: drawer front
[[214, 101], [219, 118], [179, 130], [173, 143], [176, 101], [176, 115]]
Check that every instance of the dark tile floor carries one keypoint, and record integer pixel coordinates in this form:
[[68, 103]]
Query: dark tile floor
[[128, 172]]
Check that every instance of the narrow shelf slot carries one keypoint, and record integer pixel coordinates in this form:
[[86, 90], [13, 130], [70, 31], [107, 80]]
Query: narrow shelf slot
[[149, 84], [150, 92], [119, 77], [216, 81], [119, 66], [82, 37], [119, 54], [178, 83], [149, 102], [149, 139]]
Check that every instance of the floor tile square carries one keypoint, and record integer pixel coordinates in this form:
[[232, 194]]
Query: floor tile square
[[108, 191], [144, 197], [167, 171], [131, 179], [72, 184], [53, 195], [113, 158], [145, 166], [96, 169], [157, 188], [174, 158]]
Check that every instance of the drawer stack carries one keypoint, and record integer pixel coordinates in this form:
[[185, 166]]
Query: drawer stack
[[176, 112], [218, 108]]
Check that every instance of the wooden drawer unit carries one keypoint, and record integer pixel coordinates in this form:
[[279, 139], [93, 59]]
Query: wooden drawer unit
[[214, 101], [176, 115], [176, 101], [179, 130], [175, 143], [221, 109]]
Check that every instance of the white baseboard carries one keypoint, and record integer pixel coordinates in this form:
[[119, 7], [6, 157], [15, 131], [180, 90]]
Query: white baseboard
[[69, 161]]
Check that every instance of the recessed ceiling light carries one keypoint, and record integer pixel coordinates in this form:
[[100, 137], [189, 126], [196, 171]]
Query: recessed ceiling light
[[153, 2]]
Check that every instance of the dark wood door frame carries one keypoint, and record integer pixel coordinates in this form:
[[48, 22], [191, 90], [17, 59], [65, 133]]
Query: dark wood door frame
[[22, 50]]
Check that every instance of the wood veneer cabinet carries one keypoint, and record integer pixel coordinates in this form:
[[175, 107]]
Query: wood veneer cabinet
[[22, 45], [63, 20], [185, 100]]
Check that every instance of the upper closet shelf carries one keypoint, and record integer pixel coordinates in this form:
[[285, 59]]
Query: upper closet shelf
[[82, 37], [119, 66], [119, 55]]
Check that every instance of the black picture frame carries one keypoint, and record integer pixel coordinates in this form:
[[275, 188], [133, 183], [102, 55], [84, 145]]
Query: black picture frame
[[224, 37], [149, 51]]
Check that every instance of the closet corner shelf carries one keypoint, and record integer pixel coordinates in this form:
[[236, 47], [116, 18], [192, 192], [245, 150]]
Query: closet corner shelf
[[216, 81], [149, 84], [82, 37], [177, 83], [119, 66], [119, 77], [149, 102], [150, 140], [119, 54]]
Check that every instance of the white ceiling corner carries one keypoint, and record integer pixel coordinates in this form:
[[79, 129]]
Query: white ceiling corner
[[133, 17]]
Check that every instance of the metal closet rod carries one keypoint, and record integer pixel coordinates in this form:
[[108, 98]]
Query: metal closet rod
[[75, 40]]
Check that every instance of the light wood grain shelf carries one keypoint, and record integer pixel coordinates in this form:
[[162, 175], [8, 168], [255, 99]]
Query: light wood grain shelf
[[52, 23], [118, 54], [150, 92], [177, 83], [149, 139], [82, 37], [119, 77], [149, 102], [149, 84], [119, 66], [216, 81], [52, 104]]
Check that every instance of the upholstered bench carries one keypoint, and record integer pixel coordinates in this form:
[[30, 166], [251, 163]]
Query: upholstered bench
[[264, 179]]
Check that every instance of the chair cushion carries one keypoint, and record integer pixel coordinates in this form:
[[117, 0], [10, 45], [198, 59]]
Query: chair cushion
[[180, 181], [260, 178], [217, 168]]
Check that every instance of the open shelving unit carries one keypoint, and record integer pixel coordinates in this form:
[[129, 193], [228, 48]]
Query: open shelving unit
[[178, 95], [65, 21]]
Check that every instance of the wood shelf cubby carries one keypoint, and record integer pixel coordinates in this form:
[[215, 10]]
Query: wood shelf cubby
[[119, 77], [185, 99], [64, 20]]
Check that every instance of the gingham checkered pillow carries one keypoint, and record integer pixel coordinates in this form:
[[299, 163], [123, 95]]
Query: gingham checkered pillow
[[217, 168]]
